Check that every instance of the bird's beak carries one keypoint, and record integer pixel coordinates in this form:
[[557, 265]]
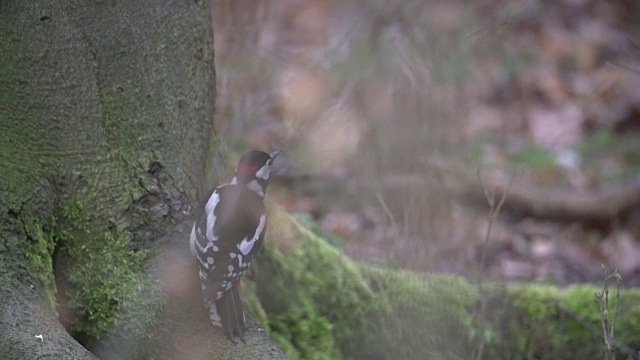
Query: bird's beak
[[274, 154]]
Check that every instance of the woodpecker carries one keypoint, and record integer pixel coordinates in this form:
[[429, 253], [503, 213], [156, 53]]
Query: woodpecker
[[226, 236]]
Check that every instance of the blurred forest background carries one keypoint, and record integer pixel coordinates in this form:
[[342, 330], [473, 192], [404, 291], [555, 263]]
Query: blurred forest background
[[386, 109]]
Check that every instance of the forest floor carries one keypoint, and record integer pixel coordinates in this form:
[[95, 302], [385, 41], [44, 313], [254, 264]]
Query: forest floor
[[386, 109]]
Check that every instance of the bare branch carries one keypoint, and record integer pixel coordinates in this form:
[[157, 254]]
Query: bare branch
[[608, 329], [493, 214]]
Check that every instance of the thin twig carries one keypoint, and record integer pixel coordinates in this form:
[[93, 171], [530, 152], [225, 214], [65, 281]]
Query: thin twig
[[493, 214], [608, 330], [615, 315], [389, 214]]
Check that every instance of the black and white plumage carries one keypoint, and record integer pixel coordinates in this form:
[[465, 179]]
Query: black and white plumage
[[227, 234]]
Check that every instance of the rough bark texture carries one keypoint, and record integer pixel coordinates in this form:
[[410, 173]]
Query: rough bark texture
[[107, 104]]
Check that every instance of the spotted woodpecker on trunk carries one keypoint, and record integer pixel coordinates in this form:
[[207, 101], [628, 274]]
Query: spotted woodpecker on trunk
[[227, 234]]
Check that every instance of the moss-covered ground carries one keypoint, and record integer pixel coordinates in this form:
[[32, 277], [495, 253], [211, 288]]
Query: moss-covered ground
[[318, 304]]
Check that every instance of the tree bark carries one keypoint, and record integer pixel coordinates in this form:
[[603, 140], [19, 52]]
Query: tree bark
[[108, 104]]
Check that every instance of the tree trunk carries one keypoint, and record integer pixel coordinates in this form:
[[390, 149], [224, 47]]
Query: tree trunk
[[108, 105]]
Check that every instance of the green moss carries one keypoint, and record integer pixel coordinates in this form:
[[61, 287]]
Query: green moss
[[582, 308], [545, 322], [103, 279], [39, 254], [417, 317], [19, 132], [318, 304], [324, 305], [536, 301], [294, 321], [313, 303]]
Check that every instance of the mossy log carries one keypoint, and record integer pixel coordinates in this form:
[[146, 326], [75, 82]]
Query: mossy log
[[317, 304]]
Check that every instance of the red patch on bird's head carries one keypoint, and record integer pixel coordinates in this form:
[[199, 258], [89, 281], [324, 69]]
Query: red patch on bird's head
[[247, 169]]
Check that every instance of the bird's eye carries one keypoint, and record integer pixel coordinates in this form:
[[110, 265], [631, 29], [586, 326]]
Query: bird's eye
[[269, 162]]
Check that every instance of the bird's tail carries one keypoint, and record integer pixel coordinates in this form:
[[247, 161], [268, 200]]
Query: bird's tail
[[231, 313]]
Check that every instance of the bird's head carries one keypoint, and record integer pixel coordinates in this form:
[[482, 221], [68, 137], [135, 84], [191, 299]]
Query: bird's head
[[254, 169]]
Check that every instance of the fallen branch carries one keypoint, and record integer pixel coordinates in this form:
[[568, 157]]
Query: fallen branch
[[565, 203]]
